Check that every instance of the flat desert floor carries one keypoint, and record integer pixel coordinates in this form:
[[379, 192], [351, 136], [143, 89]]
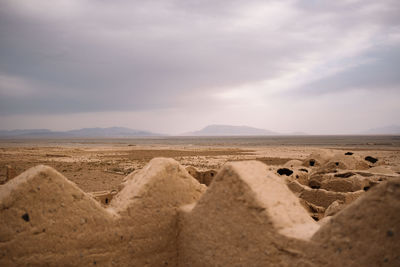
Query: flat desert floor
[[101, 164]]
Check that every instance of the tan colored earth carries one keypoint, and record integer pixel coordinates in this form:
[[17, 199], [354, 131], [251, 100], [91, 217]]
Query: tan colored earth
[[97, 167], [106, 203]]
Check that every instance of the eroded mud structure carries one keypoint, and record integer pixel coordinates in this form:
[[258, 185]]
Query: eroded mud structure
[[250, 215]]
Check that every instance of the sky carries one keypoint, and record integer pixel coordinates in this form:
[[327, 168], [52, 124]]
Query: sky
[[174, 66]]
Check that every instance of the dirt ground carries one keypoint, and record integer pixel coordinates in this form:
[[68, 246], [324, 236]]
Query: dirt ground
[[331, 204], [101, 166]]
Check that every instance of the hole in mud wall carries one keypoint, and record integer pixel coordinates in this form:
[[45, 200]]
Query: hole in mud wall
[[312, 162], [106, 201], [212, 174], [315, 217], [366, 188], [344, 175], [349, 153], [25, 217], [303, 170], [337, 163], [297, 177], [314, 184], [371, 159], [284, 171]]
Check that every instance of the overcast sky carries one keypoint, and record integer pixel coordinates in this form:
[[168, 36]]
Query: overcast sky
[[174, 66]]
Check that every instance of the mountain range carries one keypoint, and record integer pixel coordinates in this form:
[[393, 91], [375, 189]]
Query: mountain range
[[122, 132], [390, 129], [111, 132], [230, 130]]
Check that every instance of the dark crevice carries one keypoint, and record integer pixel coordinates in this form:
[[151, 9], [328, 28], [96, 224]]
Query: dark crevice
[[315, 218], [312, 162], [314, 184], [25, 217], [371, 159], [284, 171], [349, 153], [365, 174], [390, 233], [344, 175]]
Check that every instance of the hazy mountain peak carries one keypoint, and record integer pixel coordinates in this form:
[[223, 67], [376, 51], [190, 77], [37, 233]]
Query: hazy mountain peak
[[110, 132], [389, 129], [229, 130]]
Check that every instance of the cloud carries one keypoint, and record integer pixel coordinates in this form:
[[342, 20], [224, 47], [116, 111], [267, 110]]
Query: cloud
[[15, 87], [380, 73], [141, 56]]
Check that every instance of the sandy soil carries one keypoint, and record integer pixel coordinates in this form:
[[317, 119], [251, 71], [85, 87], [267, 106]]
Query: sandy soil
[[330, 204], [102, 166]]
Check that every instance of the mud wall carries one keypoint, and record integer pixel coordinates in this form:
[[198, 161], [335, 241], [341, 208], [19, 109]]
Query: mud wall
[[163, 216]]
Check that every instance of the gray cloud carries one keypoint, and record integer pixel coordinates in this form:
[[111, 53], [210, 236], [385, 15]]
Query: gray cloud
[[380, 71], [108, 62], [88, 56]]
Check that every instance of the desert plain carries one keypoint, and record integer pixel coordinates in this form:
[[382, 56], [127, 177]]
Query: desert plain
[[101, 164]]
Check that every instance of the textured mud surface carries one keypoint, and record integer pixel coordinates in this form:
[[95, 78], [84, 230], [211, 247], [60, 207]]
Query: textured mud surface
[[101, 165], [204, 206]]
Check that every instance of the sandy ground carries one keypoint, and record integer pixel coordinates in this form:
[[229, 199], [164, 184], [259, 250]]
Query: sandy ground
[[102, 166], [338, 206]]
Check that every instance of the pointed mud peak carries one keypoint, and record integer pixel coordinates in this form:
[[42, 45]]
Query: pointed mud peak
[[45, 185], [247, 215], [367, 230], [162, 182], [42, 213], [43, 188], [37, 174], [269, 193], [47, 220]]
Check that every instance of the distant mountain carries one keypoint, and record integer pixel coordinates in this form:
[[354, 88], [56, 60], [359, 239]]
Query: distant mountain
[[390, 129], [229, 130], [298, 133], [22, 132], [112, 132]]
